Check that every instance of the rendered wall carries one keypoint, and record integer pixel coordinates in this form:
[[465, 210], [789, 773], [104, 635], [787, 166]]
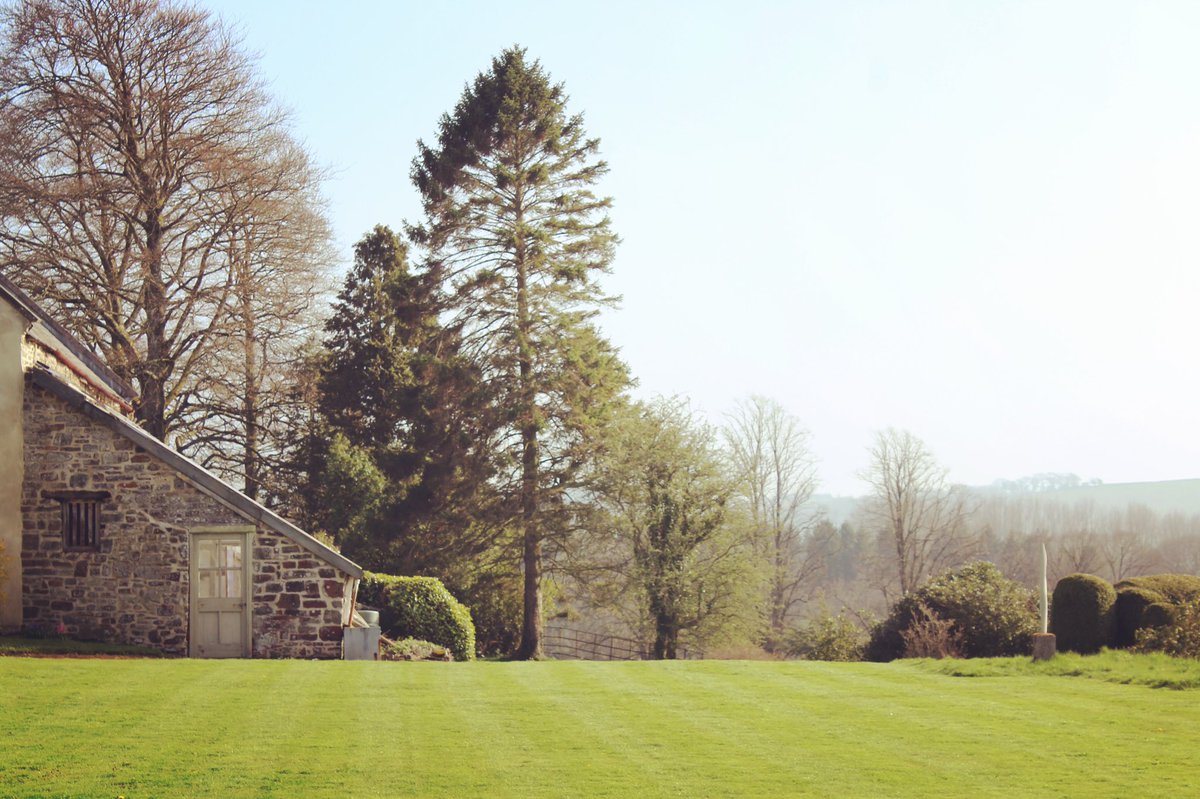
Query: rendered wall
[[12, 329]]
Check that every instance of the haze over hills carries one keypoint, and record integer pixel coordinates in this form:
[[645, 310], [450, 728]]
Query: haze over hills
[[1162, 497]]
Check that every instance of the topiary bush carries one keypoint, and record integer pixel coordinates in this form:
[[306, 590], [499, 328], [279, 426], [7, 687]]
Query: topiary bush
[[1132, 611], [1180, 636], [1144, 602], [1082, 615], [1177, 588], [421, 608], [990, 615]]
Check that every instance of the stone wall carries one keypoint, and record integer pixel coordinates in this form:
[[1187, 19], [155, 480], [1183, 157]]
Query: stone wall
[[135, 588], [297, 601]]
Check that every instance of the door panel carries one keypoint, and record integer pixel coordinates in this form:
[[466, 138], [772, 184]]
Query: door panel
[[220, 579]]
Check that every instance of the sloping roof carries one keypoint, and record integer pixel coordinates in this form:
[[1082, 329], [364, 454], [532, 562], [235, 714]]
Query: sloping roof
[[191, 471], [93, 363]]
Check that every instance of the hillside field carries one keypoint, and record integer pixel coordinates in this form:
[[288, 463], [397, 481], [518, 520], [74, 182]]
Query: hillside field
[[142, 728]]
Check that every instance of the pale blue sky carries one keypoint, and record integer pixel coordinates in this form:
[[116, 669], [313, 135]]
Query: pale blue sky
[[974, 220]]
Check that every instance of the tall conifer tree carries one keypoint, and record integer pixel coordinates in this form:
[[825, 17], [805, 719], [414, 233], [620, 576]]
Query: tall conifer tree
[[399, 465], [516, 238]]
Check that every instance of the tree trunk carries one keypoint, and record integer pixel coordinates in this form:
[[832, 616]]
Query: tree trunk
[[151, 409], [666, 637], [778, 605], [531, 628], [250, 462], [901, 555], [250, 401]]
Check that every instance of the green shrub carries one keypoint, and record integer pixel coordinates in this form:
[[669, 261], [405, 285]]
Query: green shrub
[[991, 616], [1081, 613], [931, 636], [1179, 589], [1159, 614], [1150, 601], [827, 637], [1132, 612], [495, 599], [421, 608], [1180, 636], [414, 649]]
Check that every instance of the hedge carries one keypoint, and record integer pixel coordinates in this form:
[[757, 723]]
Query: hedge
[[1081, 613], [1177, 588], [421, 608], [1145, 602], [1133, 612]]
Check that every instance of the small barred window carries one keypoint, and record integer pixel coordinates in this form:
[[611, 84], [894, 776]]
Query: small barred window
[[80, 518], [81, 524]]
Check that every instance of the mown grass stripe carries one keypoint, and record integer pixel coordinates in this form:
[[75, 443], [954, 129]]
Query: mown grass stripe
[[160, 728]]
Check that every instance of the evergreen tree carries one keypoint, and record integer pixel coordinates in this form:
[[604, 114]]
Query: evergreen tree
[[368, 360], [397, 386], [516, 238], [401, 465]]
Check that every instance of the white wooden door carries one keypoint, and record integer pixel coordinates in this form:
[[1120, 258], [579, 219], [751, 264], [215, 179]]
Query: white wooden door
[[220, 577]]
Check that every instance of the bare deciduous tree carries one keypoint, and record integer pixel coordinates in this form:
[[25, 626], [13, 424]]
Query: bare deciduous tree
[[241, 416], [776, 475], [135, 142], [920, 515], [1125, 547]]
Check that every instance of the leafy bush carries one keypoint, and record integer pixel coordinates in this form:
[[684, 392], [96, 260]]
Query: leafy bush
[[828, 637], [1082, 615], [1179, 637], [422, 608], [1133, 610], [994, 615], [931, 636], [1178, 589], [495, 599], [414, 649], [1151, 601]]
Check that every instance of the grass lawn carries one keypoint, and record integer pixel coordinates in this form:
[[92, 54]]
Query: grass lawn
[[140, 728], [12, 645]]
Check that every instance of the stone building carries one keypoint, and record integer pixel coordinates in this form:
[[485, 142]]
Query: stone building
[[108, 534]]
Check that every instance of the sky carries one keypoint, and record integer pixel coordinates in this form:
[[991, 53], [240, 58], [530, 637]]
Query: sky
[[979, 222]]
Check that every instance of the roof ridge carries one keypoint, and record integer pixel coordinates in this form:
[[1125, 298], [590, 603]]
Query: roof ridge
[[36, 312]]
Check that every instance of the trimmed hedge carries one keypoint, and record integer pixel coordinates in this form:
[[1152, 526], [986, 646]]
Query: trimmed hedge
[[992, 616], [421, 608], [1177, 588], [1133, 611], [1180, 637], [1146, 602], [1082, 614]]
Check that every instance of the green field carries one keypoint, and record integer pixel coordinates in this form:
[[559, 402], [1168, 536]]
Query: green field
[[140, 728]]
